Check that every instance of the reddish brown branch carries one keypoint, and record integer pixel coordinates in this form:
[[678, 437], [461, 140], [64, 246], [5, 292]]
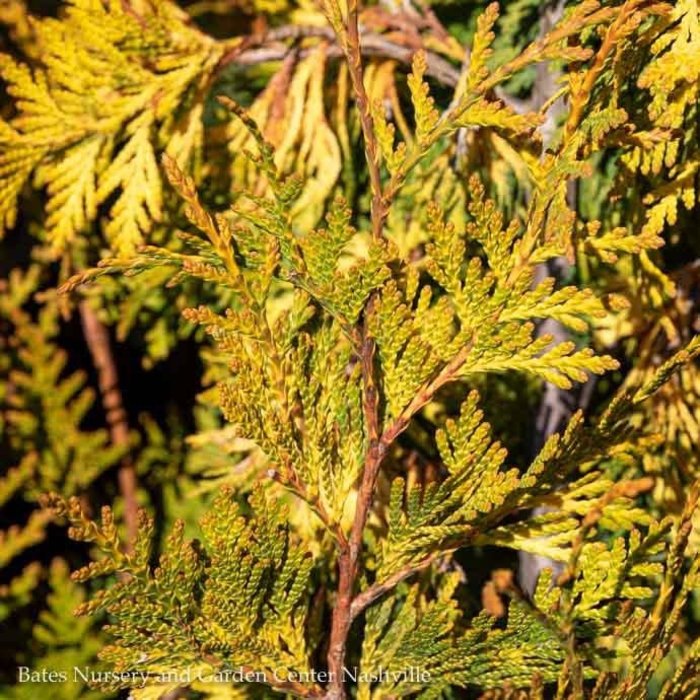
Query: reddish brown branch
[[424, 395], [378, 441], [368, 596], [97, 339], [271, 47], [349, 555], [347, 607], [353, 54], [372, 45], [379, 446]]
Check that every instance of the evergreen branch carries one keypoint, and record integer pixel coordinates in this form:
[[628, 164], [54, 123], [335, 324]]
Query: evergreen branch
[[623, 488], [377, 590], [349, 556], [350, 42], [621, 26], [423, 396], [377, 450], [349, 37], [333, 345]]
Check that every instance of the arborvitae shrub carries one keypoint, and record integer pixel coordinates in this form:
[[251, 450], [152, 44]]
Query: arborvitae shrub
[[399, 239]]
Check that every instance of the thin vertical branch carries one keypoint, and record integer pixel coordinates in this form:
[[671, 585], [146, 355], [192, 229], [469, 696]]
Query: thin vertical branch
[[581, 96], [98, 342], [353, 54], [350, 553], [347, 607]]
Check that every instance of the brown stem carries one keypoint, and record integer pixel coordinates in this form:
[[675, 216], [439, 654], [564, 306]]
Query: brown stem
[[368, 596], [346, 607], [423, 396], [349, 554], [353, 55], [580, 99], [272, 49], [97, 339], [378, 442]]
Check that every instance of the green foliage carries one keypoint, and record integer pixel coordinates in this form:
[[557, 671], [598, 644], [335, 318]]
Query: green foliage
[[43, 433], [408, 631], [238, 599], [63, 643], [46, 405]]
